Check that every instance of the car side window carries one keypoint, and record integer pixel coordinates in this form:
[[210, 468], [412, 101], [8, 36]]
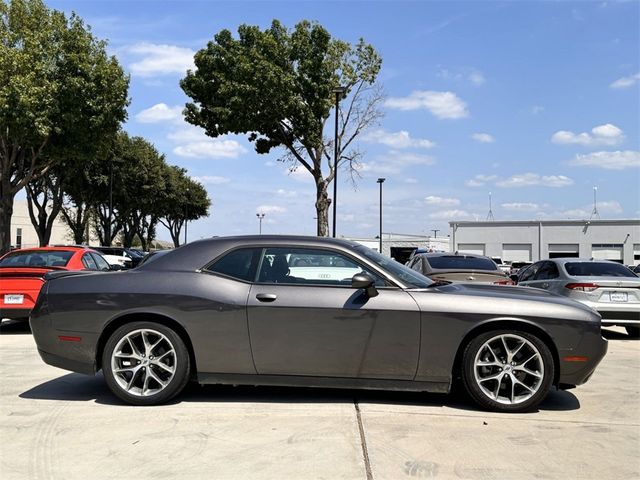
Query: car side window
[[101, 263], [240, 264], [548, 271], [529, 272], [309, 266], [88, 262]]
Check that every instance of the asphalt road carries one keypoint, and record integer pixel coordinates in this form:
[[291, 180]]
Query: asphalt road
[[61, 425]]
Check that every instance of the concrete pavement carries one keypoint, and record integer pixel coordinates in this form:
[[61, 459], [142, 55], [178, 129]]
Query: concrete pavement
[[60, 425]]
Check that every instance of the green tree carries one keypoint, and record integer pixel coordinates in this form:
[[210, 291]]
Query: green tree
[[61, 95], [278, 87], [185, 200]]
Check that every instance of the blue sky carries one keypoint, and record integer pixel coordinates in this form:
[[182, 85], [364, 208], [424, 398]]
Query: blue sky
[[535, 102]]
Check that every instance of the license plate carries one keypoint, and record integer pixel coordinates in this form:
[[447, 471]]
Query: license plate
[[12, 299], [618, 296]]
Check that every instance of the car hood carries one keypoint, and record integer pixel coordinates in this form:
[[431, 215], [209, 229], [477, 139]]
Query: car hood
[[505, 301]]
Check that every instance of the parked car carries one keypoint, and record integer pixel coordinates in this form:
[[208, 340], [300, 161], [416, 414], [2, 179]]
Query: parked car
[[608, 287], [636, 269], [227, 310], [22, 272], [459, 267], [517, 266], [125, 257]]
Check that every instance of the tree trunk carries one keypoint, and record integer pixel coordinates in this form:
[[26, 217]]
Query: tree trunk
[[50, 190], [77, 218], [6, 211], [322, 208]]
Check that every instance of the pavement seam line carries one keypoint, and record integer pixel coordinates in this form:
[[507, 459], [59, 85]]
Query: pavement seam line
[[363, 442]]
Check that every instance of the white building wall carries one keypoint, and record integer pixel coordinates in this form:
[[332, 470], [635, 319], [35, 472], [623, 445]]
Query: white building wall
[[541, 234], [60, 233]]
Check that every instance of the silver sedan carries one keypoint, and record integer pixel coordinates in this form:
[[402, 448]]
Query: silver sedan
[[608, 287]]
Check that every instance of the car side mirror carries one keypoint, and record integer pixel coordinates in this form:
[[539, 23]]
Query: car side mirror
[[115, 268], [514, 278], [366, 282]]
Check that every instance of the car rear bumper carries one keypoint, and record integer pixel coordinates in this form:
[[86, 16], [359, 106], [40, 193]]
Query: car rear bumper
[[15, 313], [67, 363], [616, 313]]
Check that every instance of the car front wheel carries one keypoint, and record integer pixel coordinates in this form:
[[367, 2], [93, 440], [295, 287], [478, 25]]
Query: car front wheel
[[145, 363], [507, 371]]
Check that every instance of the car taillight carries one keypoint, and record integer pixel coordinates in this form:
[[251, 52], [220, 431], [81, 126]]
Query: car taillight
[[583, 287], [504, 282]]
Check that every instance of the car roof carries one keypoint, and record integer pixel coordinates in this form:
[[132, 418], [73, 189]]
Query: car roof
[[452, 254], [578, 260], [56, 248], [201, 252]]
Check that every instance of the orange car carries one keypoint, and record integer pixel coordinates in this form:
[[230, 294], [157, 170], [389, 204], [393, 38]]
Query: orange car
[[22, 272]]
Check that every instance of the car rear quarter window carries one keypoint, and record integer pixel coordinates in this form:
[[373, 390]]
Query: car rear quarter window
[[597, 269], [240, 264], [88, 262], [461, 262]]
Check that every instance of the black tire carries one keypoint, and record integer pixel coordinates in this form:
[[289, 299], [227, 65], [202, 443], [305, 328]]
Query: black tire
[[177, 359], [478, 390], [632, 331]]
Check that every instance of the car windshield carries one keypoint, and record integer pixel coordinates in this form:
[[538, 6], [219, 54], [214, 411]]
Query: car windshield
[[398, 270], [37, 258], [461, 262], [598, 269]]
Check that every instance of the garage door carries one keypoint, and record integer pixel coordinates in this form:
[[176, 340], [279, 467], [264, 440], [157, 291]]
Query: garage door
[[516, 252], [476, 248], [561, 250], [607, 252]]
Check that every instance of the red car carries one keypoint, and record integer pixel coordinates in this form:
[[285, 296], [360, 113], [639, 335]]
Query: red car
[[22, 272]]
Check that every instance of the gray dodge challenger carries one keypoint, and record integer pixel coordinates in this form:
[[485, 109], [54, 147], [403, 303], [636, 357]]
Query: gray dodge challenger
[[315, 312]]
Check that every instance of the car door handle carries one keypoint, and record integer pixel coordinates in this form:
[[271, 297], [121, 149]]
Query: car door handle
[[266, 297]]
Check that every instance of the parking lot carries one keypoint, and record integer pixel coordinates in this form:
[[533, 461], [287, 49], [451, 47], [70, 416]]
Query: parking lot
[[61, 425]]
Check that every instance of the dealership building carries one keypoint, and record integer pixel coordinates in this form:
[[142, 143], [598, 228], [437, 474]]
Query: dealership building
[[530, 241]]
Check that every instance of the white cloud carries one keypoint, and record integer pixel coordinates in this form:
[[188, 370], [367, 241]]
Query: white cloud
[[480, 180], [618, 160], [536, 109], [160, 112], [211, 180], [214, 148], [521, 207], [626, 82], [440, 104], [299, 173], [157, 59], [483, 138], [463, 74], [400, 139], [520, 180], [610, 206], [396, 162], [192, 142], [607, 134], [476, 78], [287, 193], [451, 215], [441, 201], [411, 180], [270, 209]]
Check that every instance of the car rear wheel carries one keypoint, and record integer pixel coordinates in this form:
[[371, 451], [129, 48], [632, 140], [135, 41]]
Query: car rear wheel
[[507, 370], [145, 363], [633, 332]]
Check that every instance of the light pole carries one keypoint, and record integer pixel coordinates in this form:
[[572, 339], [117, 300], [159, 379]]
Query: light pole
[[381, 181], [340, 92], [435, 232], [260, 217]]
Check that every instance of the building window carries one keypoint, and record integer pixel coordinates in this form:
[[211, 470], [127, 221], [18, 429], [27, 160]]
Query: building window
[[636, 253], [18, 238]]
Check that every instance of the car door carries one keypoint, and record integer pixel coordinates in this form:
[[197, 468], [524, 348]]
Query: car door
[[308, 320], [526, 276]]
